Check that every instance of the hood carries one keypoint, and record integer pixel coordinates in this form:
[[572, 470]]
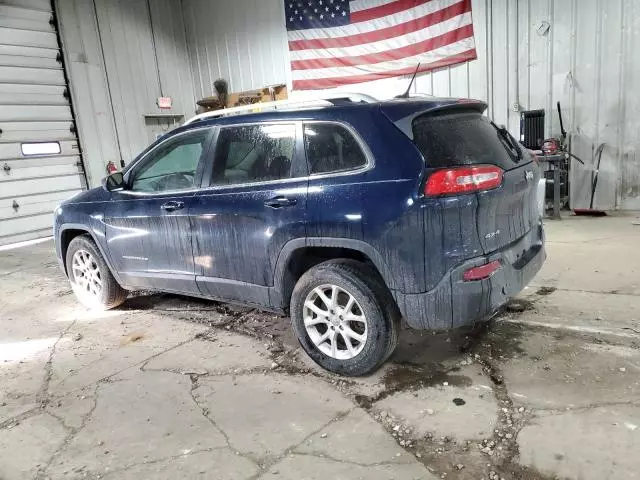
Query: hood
[[98, 194]]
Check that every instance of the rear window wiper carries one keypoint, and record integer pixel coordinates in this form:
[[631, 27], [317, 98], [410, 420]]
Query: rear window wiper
[[508, 140]]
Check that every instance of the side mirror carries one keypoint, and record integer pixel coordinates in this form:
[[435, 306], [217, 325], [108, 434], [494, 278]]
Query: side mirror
[[114, 182]]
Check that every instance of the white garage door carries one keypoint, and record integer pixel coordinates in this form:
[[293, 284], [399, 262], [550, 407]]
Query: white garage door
[[40, 161]]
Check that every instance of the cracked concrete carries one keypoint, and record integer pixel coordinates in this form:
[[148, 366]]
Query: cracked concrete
[[432, 409], [30, 443], [607, 443], [283, 410], [168, 387], [129, 425]]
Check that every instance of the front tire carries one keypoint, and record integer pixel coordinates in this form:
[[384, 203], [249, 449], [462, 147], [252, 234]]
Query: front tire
[[90, 277], [345, 317]]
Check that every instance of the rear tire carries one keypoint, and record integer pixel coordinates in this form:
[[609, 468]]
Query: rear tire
[[345, 317], [90, 277]]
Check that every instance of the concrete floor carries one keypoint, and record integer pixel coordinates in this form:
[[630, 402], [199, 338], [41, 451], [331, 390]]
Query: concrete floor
[[168, 387]]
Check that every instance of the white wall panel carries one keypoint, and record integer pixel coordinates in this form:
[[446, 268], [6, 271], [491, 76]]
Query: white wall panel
[[89, 87], [34, 106], [628, 138], [146, 57], [243, 41], [587, 60], [28, 38], [123, 55]]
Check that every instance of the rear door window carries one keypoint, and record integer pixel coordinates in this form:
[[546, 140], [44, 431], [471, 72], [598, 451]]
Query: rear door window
[[332, 148], [254, 153], [463, 138]]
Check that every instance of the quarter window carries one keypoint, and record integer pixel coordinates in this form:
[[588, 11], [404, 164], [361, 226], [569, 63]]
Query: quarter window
[[254, 153], [332, 148], [172, 166]]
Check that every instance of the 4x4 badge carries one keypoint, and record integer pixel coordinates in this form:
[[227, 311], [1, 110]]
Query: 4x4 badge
[[528, 175]]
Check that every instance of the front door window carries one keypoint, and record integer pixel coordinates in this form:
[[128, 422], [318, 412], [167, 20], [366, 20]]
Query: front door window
[[172, 167]]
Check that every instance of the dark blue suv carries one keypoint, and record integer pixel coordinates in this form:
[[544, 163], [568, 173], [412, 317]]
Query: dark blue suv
[[348, 217]]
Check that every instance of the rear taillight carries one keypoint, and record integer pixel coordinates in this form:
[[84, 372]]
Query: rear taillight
[[481, 272], [451, 181]]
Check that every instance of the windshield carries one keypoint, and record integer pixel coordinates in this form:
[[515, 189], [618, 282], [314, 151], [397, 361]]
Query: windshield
[[464, 138]]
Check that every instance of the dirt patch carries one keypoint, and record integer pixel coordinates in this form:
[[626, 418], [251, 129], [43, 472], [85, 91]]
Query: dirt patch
[[422, 360], [494, 457], [133, 337], [545, 290], [518, 305]]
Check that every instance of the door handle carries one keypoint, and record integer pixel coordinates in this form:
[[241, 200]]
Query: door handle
[[172, 206], [280, 202]]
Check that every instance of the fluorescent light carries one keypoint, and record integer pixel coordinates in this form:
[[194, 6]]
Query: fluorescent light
[[41, 148]]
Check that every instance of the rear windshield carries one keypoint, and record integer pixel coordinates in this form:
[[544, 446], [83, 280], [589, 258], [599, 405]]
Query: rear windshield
[[463, 138]]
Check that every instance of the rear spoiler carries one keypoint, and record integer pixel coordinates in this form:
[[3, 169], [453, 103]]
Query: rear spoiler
[[402, 115]]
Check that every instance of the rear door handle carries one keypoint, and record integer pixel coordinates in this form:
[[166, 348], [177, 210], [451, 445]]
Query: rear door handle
[[280, 202], [172, 206]]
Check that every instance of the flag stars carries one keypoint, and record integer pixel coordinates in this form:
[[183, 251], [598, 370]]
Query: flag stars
[[321, 16], [344, 14], [333, 15]]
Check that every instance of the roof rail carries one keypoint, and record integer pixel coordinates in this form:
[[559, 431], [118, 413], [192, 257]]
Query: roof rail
[[285, 105]]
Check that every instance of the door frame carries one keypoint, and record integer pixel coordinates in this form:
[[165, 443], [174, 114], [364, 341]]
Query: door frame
[[126, 195], [142, 160], [253, 294]]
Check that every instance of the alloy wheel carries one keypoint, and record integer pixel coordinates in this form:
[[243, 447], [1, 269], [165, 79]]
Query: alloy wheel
[[335, 322], [86, 274]]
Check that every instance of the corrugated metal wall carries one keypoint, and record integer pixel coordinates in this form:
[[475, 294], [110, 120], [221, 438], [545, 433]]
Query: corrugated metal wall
[[243, 41], [145, 54], [122, 56], [587, 59], [88, 82]]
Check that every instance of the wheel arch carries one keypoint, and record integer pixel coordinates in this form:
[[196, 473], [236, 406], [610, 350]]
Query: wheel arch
[[315, 250], [70, 231]]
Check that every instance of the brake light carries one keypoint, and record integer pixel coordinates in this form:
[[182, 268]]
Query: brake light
[[481, 272], [463, 180]]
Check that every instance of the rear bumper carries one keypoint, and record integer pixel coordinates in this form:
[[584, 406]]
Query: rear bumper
[[455, 303]]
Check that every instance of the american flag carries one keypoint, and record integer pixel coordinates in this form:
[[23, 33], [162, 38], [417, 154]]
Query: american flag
[[341, 42]]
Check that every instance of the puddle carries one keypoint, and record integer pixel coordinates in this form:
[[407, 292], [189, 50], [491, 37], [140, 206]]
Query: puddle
[[405, 377]]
